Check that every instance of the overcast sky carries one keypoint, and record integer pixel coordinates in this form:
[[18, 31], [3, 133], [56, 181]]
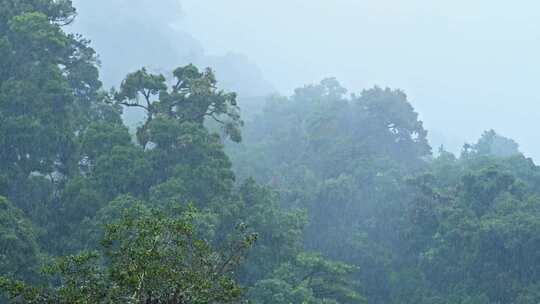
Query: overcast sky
[[466, 66]]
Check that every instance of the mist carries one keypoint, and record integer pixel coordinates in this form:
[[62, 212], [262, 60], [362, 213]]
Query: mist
[[466, 67], [347, 152], [132, 34]]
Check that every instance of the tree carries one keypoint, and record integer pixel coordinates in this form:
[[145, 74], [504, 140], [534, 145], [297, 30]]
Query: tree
[[191, 99], [308, 279], [147, 257], [472, 230], [493, 144], [279, 231], [19, 250], [49, 92]]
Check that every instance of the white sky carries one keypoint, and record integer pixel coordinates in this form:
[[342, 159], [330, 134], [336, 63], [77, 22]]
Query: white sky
[[466, 65]]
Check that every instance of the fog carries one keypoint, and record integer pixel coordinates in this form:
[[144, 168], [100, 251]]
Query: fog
[[376, 152], [465, 66]]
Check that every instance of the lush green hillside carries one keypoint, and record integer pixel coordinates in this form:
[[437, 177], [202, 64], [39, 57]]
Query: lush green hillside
[[322, 197]]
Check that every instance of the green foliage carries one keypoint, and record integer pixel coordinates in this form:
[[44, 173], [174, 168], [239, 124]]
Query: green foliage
[[478, 232], [101, 137], [69, 163], [321, 129], [60, 11], [48, 94], [460, 231], [147, 258], [33, 140], [279, 231], [344, 160], [123, 170], [492, 144], [340, 191], [192, 98], [308, 279], [19, 251]]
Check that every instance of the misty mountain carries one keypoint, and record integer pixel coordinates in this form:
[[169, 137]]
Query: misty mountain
[[131, 34]]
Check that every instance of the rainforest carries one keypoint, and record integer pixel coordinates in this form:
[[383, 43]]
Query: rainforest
[[195, 181]]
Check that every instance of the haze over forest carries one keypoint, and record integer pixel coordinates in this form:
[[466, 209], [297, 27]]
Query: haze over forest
[[466, 66], [284, 152]]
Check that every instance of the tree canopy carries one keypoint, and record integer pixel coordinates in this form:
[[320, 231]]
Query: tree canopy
[[321, 197]]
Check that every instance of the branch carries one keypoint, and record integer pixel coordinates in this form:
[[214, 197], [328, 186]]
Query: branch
[[178, 84], [308, 276], [129, 104], [218, 120], [146, 95], [210, 113], [237, 250]]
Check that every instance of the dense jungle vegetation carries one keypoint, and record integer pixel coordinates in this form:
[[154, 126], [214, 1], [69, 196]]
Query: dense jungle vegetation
[[320, 197]]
